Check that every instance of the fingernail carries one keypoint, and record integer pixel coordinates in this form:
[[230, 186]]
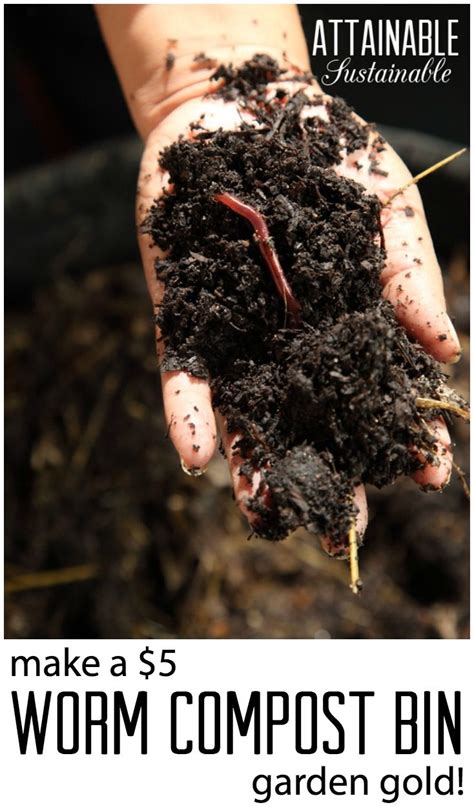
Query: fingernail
[[194, 470], [446, 482], [455, 340], [448, 332], [456, 358]]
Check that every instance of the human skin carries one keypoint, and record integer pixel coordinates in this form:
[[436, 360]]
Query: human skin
[[153, 48]]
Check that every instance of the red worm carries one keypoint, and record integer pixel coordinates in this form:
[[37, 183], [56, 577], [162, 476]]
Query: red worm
[[268, 252]]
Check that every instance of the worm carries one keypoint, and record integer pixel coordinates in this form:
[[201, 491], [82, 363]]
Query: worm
[[268, 252]]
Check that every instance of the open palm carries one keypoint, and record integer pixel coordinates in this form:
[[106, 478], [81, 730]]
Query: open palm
[[411, 281]]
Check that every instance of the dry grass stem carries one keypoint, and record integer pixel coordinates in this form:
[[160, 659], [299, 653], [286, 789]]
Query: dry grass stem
[[356, 582], [431, 403], [425, 173]]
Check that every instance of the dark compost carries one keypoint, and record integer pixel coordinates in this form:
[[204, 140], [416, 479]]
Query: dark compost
[[305, 359]]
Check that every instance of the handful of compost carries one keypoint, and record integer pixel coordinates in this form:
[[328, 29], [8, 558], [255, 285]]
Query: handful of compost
[[288, 284]]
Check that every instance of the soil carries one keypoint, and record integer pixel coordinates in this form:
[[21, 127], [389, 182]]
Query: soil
[[305, 359]]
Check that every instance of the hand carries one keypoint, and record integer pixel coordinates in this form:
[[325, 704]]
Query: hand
[[411, 272]]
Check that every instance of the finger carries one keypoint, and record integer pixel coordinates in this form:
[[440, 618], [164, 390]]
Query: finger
[[187, 400], [422, 313], [152, 181], [362, 517], [411, 276], [244, 488], [190, 419], [334, 548], [436, 474]]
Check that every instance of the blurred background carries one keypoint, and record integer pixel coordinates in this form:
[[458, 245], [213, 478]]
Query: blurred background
[[105, 536]]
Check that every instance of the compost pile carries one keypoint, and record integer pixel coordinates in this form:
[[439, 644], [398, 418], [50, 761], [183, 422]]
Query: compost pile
[[320, 381]]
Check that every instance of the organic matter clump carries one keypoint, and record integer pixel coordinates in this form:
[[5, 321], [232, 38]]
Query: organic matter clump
[[327, 399]]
